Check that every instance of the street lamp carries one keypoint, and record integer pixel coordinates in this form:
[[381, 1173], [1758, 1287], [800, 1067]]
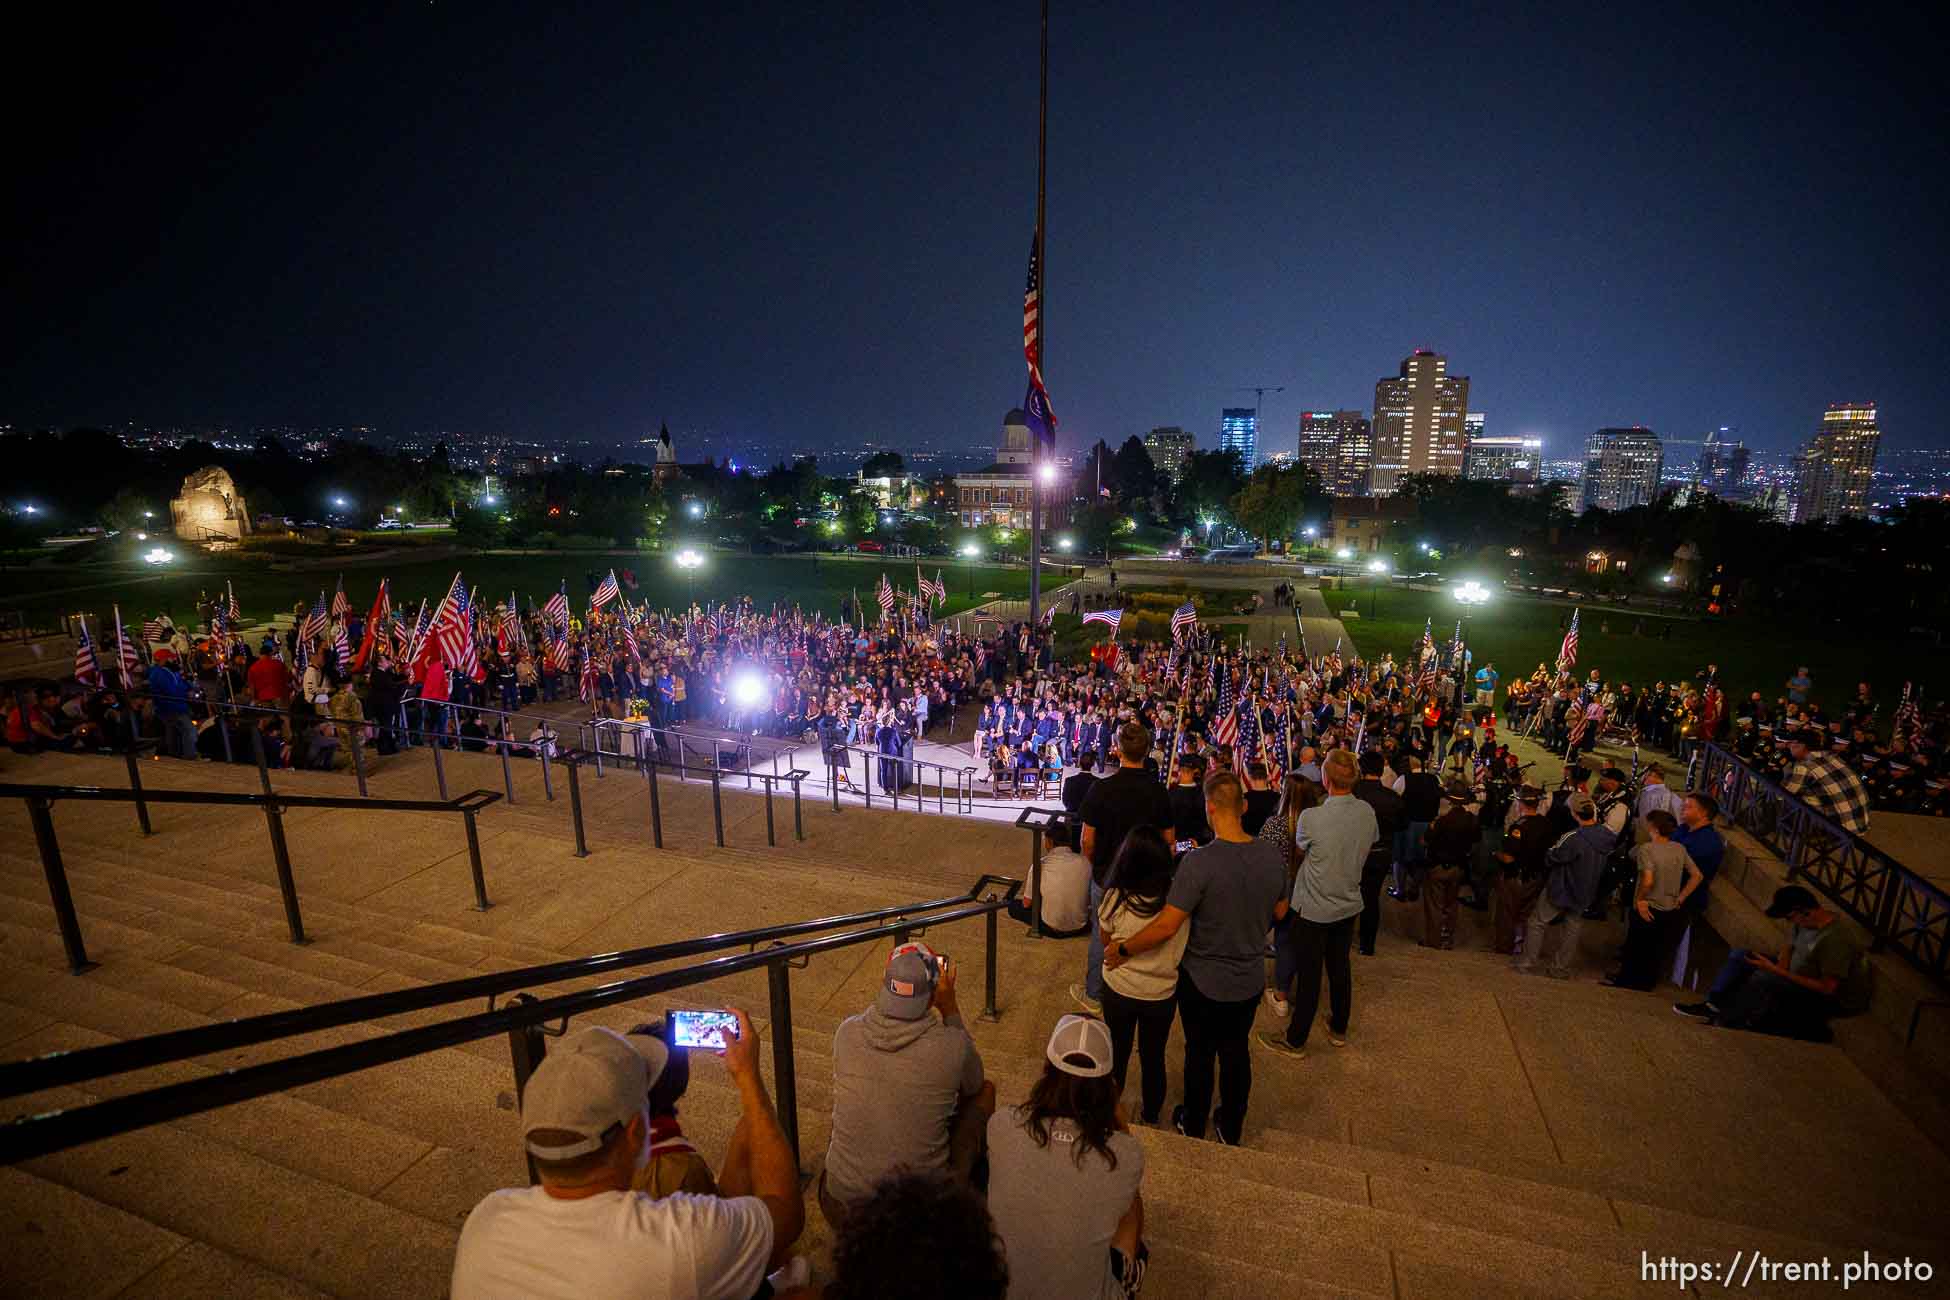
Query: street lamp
[[968, 554], [688, 560], [1375, 569]]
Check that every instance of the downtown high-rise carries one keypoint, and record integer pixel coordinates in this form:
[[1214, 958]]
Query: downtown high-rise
[[1418, 422], [1834, 473], [1622, 469], [1339, 447], [1170, 447], [1239, 431]]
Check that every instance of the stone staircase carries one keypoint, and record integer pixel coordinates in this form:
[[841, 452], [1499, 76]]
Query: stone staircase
[[1483, 1133]]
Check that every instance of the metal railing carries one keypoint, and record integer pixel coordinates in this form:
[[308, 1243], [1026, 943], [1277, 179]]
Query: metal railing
[[1037, 821], [40, 801], [526, 1019], [1902, 911], [838, 761], [575, 759]]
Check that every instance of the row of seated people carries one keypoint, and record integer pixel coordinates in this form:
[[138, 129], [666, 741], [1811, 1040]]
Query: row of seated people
[[929, 1187]]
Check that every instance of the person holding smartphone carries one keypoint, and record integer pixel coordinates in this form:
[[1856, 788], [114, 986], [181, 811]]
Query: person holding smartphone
[[908, 1087], [582, 1230]]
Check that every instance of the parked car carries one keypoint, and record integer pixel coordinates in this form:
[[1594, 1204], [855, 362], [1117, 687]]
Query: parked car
[[874, 548]]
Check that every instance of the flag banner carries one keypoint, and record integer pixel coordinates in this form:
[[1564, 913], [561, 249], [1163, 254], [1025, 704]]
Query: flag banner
[[1184, 618], [1109, 617], [340, 605], [557, 609]]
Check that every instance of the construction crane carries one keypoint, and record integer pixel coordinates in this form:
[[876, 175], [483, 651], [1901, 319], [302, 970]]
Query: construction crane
[[1259, 393]]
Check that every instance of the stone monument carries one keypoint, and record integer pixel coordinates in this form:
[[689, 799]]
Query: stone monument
[[210, 508]]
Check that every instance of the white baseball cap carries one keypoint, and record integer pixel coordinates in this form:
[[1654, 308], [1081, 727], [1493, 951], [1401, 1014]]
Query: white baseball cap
[[1082, 1037], [594, 1081]]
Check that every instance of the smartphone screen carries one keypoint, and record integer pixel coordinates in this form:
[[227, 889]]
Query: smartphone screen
[[707, 1030], [1185, 846]]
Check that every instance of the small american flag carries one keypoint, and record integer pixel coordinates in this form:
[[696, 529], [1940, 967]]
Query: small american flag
[[1907, 722], [557, 609], [557, 654], [1225, 725], [340, 605], [587, 687], [940, 589], [885, 596], [86, 670], [606, 591], [452, 632], [152, 630], [1567, 654], [125, 652], [235, 617], [1112, 617], [1185, 616], [314, 623]]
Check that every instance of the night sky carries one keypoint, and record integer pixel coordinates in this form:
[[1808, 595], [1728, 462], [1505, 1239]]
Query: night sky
[[812, 226]]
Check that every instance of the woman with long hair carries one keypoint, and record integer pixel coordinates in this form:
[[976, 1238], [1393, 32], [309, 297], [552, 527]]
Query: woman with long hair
[[1064, 1172], [1296, 796], [1140, 996]]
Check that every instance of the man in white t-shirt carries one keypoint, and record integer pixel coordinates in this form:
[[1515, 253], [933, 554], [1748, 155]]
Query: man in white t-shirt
[[583, 1232]]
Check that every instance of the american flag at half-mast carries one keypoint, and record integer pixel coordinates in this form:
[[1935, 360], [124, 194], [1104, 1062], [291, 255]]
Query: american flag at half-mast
[[1567, 654], [1035, 405], [1183, 618], [606, 591], [86, 670]]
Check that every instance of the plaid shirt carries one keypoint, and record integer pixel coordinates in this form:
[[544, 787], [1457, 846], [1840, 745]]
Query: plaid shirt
[[1831, 788]]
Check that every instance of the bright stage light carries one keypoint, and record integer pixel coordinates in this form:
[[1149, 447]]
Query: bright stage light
[[157, 555], [748, 690], [1471, 593], [688, 559]]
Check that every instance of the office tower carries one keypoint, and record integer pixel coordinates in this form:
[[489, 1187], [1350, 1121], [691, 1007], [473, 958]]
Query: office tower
[[1239, 431], [1622, 468], [1418, 421], [1504, 456], [1472, 427], [1339, 446], [1833, 476], [1723, 462], [1170, 447]]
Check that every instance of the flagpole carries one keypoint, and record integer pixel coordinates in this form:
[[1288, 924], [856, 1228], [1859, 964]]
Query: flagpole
[[1036, 461]]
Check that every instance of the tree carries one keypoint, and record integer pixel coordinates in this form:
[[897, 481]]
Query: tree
[[128, 511], [1210, 481], [1131, 476], [1271, 504], [884, 464]]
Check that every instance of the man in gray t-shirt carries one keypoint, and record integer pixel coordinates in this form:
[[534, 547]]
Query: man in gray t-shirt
[[1334, 840], [1227, 891]]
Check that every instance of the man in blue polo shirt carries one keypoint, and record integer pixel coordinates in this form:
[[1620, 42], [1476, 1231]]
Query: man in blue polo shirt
[[1486, 680]]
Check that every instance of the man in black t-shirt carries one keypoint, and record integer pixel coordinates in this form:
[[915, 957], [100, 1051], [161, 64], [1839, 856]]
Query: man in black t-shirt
[[1262, 801], [1391, 815], [1125, 800], [1188, 800]]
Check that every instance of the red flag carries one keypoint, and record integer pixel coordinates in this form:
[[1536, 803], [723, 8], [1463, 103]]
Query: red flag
[[382, 612]]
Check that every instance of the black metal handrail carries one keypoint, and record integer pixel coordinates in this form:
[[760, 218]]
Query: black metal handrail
[[40, 801], [1902, 910], [56, 1068], [36, 1135]]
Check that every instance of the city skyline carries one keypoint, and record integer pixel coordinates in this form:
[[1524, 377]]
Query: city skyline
[[583, 229]]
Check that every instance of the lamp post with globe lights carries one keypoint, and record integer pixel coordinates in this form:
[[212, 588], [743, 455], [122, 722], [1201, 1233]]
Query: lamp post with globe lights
[[1377, 570], [968, 553]]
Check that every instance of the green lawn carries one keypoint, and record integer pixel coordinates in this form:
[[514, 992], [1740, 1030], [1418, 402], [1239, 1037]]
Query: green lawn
[[1517, 634], [261, 591]]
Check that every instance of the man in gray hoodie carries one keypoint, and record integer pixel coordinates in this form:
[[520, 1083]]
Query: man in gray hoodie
[[1577, 864], [908, 1090]]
